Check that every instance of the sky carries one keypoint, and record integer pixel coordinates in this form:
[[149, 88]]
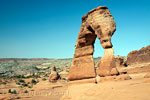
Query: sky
[[49, 28]]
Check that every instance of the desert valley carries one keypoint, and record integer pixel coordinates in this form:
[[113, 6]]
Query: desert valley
[[35, 85]]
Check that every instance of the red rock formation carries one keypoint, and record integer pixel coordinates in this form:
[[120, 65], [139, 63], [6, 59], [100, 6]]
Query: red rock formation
[[97, 23], [139, 56]]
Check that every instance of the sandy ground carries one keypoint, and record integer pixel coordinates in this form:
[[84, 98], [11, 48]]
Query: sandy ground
[[46, 91], [136, 89]]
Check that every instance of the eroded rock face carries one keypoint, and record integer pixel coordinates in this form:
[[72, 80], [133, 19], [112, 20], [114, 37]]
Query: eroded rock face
[[119, 61], [54, 76], [97, 23], [82, 68], [139, 56]]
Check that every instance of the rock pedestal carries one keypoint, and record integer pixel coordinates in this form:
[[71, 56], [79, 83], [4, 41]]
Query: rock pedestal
[[107, 65], [54, 76]]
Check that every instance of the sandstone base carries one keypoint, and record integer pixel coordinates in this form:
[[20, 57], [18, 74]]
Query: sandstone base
[[115, 78], [83, 81]]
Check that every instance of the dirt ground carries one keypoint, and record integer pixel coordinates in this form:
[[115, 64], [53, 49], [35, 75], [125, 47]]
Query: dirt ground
[[43, 90], [137, 88]]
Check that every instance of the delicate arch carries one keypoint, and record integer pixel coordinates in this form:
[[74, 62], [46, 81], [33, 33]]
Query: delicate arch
[[97, 23]]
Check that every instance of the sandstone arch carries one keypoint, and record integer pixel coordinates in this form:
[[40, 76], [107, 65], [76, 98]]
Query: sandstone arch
[[97, 23]]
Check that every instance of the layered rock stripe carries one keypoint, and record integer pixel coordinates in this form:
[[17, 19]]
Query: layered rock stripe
[[139, 56]]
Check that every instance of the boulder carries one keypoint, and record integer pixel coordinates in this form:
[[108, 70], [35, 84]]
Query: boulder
[[54, 76], [119, 61], [123, 77]]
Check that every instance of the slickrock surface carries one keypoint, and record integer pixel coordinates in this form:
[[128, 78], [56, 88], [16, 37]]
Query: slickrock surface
[[135, 89]]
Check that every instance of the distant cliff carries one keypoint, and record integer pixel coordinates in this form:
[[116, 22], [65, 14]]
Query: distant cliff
[[139, 56]]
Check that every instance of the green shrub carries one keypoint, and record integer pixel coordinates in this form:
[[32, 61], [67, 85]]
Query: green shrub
[[20, 76], [44, 79], [14, 92], [33, 81], [9, 91], [17, 97], [64, 79], [29, 86], [21, 81], [28, 82], [24, 84], [18, 83], [25, 91], [4, 83]]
